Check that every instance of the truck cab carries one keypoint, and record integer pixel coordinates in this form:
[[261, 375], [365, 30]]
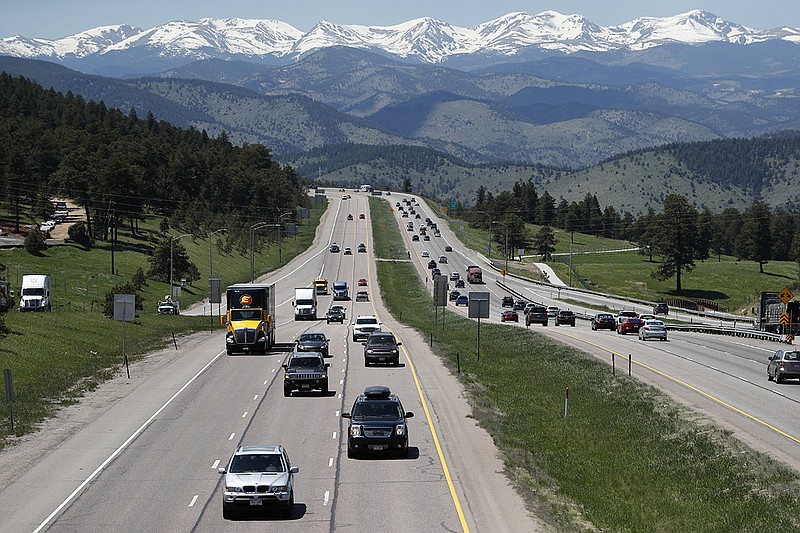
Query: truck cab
[[35, 294], [340, 290], [305, 303], [321, 286], [250, 318]]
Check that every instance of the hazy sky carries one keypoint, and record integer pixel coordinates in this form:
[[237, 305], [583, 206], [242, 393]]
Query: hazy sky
[[58, 18]]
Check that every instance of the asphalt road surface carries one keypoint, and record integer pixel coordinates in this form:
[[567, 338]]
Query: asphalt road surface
[[142, 454]]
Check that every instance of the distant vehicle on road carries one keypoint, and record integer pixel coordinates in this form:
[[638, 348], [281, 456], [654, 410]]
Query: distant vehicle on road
[[603, 321]]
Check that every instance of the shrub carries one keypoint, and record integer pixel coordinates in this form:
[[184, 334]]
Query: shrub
[[34, 242], [77, 233]]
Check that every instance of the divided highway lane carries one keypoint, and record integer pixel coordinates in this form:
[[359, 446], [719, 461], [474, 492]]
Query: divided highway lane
[[166, 478], [723, 377]]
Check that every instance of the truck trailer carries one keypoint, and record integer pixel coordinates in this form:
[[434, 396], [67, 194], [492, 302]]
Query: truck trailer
[[249, 318]]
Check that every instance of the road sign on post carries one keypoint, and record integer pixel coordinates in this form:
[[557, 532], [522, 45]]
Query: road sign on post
[[440, 291], [479, 308], [125, 310], [785, 295]]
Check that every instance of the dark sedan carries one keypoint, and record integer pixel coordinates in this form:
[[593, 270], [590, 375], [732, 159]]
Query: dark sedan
[[603, 321], [509, 315], [313, 342]]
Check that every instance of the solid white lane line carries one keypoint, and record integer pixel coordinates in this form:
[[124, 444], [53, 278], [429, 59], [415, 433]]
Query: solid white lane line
[[121, 447]]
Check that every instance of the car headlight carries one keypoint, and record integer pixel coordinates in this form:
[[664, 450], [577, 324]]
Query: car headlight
[[369, 352], [400, 430], [279, 488], [229, 338], [324, 376], [394, 351], [355, 430], [233, 489]]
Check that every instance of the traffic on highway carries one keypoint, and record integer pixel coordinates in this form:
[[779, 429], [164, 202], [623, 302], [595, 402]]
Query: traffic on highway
[[315, 409]]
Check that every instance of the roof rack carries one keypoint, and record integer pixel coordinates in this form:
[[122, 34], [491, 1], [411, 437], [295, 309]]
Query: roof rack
[[377, 391]]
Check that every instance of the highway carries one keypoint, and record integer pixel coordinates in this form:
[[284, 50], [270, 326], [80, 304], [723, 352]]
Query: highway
[[142, 454], [145, 454], [721, 377]]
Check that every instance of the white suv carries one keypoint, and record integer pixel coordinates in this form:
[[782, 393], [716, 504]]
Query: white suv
[[364, 326]]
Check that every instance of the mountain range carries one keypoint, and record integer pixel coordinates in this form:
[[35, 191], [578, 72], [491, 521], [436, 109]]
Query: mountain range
[[507, 100], [424, 40]]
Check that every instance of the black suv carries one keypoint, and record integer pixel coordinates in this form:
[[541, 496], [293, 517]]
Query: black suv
[[381, 347], [313, 342], [537, 314], [564, 318], [508, 301], [661, 309], [377, 423], [305, 371]]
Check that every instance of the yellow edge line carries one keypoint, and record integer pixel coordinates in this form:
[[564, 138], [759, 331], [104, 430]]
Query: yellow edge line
[[690, 387], [445, 469]]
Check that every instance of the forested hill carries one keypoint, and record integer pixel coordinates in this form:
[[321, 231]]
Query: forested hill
[[53, 144], [714, 174]]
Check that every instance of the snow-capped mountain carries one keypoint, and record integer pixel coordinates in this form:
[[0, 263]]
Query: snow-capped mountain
[[425, 39]]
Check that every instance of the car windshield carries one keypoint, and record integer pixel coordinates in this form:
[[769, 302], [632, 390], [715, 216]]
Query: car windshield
[[257, 462], [381, 340], [312, 337], [366, 320], [654, 323], [377, 409], [791, 356], [245, 314], [304, 362]]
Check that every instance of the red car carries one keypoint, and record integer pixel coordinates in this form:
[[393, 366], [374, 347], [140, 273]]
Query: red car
[[509, 315], [362, 282], [629, 325], [361, 216]]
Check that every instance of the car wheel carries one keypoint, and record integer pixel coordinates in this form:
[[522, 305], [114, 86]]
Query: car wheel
[[287, 391], [778, 377], [769, 377], [324, 390], [594, 328], [227, 511], [351, 454], [366, 362], [287, 511], [355, 339], [229, 351], [572, 325]]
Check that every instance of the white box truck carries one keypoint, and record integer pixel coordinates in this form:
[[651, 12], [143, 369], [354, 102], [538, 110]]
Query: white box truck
[[35, 294], [305, 303]]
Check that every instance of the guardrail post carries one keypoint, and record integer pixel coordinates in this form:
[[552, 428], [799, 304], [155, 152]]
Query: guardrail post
[[630, 361], [613, 364]]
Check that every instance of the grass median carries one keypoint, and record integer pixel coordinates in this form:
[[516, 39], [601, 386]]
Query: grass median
[[626, 458]]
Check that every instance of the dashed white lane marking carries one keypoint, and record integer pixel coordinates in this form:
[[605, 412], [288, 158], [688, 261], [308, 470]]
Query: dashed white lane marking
[[337, 414], [326, 497], [266, 381], [244, 415], [273, 370], [343, 370], [255, 397], [194, 500], [334, 435], [340, 395], [232, 435], [215, 465], [330, 462]]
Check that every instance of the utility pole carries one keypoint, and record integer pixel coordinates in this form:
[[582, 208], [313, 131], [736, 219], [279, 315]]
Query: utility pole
[[571, 240]]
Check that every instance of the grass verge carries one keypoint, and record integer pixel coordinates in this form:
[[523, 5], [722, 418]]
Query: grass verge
[[56, 357], [627, 458]]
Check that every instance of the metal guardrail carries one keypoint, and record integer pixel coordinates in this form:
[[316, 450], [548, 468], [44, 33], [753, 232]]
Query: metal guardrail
[[694, 328]]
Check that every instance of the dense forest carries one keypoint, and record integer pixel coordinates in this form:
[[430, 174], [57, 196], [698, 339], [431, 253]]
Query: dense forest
[[757, 233], [119, 167]]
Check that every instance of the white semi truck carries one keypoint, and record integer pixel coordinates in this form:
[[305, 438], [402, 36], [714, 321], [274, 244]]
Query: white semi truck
[[305, 303], [35, 294]]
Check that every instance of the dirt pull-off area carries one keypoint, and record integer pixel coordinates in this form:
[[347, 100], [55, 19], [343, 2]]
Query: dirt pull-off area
[[76, 214]]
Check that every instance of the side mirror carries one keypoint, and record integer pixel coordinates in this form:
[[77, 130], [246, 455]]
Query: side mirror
[[294, 469], [399, 343], [347, 415], [409, 414], [363, 344], [294, 303], [327, 365], [222, 470], [285, 367]]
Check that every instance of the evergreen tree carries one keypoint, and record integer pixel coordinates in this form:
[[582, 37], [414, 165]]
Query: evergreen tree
[[544, 242], [676, 239], [754, 241]]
